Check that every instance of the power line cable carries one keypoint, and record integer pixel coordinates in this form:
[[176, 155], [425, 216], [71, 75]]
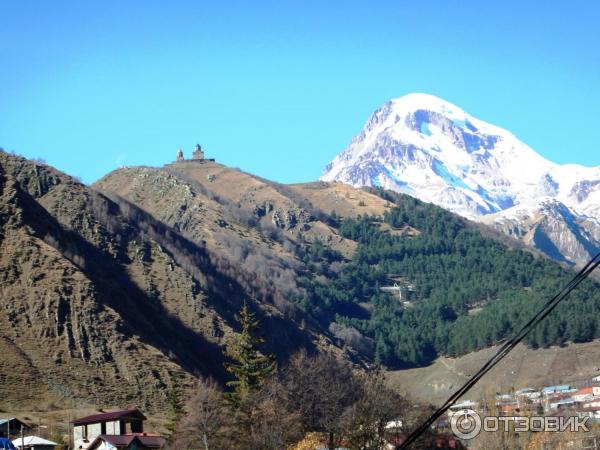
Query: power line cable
[[549, 306]]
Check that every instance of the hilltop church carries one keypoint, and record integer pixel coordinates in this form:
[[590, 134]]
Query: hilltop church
[[197, 155]]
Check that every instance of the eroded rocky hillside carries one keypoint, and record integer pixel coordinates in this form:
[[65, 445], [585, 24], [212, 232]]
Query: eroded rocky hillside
[[102, 304]]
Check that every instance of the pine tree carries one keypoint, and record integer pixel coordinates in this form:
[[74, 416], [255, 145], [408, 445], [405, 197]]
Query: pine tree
[[250, 367]]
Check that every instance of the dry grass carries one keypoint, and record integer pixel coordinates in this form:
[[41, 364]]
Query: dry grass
[[345, 200], [523, 367]]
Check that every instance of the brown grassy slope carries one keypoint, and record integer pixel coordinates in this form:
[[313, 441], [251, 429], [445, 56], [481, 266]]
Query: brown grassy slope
[[523, 367], [210, 202], [102, 305], [343, 199], [195, 212], [70, 308]]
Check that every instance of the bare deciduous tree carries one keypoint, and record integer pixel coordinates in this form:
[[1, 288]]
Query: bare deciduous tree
[[274, 426], [205, 424], [377, 406], [319, 389], [353, 338]]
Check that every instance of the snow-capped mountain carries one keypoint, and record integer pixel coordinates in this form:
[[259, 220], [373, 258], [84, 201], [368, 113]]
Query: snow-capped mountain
[[433, 150]]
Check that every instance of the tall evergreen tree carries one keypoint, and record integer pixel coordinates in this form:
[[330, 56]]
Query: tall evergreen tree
[[249, 366]]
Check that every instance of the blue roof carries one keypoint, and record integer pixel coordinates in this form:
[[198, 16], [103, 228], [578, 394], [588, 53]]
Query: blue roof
[[2, 421], [6, 444], [562, 387]]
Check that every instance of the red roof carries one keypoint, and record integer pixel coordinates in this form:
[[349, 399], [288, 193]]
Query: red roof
[[151, 441], [109, 416], [124, 441], [116, 440]]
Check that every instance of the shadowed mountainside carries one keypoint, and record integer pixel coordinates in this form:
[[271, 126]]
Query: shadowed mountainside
[[104, 302]]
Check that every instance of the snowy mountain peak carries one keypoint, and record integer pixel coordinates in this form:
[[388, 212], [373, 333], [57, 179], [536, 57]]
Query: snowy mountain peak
[[420, 109], [426, 102], [431, 149]]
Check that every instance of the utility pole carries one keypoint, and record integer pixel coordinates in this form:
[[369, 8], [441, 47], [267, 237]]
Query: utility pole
[[69, 426], [22, 439]]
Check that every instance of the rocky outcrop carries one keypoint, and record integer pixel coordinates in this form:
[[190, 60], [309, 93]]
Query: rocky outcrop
[[553, 229], [290, 218], [263, 209]]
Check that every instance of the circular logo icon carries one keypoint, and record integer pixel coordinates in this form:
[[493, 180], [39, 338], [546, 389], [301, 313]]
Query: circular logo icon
[[465, 424]]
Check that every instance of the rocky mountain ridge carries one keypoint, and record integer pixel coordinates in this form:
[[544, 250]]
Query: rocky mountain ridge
[[432, 150]]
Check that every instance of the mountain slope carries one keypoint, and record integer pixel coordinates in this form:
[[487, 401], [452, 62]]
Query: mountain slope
[[570, 364], [103, 305], [430, 149], [451, 266], [424, 283]]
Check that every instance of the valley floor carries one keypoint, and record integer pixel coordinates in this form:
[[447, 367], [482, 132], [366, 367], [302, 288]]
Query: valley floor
[[523, 367]]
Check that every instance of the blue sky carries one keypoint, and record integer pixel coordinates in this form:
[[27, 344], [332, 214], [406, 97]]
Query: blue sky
[[279, 88]]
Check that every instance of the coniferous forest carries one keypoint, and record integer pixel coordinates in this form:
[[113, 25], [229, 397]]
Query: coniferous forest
[[468, 291]]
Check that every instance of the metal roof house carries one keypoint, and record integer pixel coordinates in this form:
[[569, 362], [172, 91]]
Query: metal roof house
[[116, 423], [561, 404], [12, 427], [34, 443], [130, 442], [558, 389]]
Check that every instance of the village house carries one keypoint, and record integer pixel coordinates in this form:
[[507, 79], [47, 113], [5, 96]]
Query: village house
[[528, 393], [555, 400], [562, 405], [560, 389], [12, 427], [504, 398], [137, 442], [458, 408], [509, 409], [586, 393], [441, 441], [109, 425], [34, 443], [592, 405]]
